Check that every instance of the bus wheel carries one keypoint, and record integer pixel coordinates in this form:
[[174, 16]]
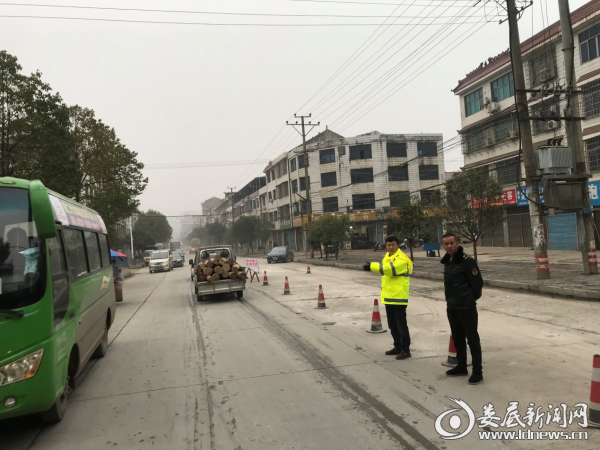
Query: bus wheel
[[57, 412], [102, 348]]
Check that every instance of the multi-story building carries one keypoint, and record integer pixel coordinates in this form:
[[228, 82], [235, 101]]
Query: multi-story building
[[207, 208], [362, 177], [490, 132]]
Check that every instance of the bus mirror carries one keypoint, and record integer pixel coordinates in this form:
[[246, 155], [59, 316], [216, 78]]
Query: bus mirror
[[42, 210]]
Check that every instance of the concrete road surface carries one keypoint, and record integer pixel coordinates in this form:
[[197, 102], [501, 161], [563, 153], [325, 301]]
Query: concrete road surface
[[270, 371]]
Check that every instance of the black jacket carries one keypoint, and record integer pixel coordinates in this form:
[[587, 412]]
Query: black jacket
[[462, 280]]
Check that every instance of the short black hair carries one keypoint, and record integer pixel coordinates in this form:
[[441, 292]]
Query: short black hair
[[447, 235], [392, 239]]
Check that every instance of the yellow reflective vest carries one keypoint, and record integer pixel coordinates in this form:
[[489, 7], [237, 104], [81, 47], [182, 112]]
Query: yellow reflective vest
[[395, 270]]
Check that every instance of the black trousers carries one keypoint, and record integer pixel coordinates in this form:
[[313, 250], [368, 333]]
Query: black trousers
[[396, 317], [463, 325]]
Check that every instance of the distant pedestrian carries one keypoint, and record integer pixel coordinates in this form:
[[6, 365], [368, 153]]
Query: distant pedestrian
[[395, 270], [462, 286]]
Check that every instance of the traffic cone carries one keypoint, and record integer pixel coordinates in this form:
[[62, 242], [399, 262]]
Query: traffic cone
[[286, 288], [321, 301], [594, 414], [265, 280], [308, 268], [452, 361], [376, 326]]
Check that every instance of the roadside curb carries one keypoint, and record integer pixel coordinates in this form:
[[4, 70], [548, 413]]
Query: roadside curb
[[580, 294]]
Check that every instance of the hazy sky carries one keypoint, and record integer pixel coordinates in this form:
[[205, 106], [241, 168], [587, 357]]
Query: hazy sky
[[204, 95]]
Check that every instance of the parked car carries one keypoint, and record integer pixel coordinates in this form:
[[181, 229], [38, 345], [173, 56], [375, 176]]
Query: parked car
[[160, 260], [361, 242], [178, 258], [280, 254]]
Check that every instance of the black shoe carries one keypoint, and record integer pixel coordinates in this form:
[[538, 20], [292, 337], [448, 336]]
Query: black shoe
[[457, 372], [394, 351], [476, 378], [404, 355]]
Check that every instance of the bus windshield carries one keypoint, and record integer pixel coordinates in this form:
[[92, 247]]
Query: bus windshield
[[22, 274]]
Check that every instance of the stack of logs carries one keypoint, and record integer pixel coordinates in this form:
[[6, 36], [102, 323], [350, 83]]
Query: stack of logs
[[219, 268]]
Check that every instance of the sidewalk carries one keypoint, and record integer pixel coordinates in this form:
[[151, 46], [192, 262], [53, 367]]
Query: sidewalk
[[503, 267]]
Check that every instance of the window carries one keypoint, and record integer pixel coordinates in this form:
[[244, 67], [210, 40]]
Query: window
[[268, 177], [473, 102], [474, 140], [591, 98], [93, 250], [588, 43], [426, 196], [270, 217], [293, 165], [275, 215], [360, 152], [399, 197], [270, 197], [330, 204], [396, 149], [282, 190], [104, 250], [592, 148], [507, 171], [284, 212], [301, 160], [543, 67], [303, 183], [300, 208], [428, 172], [361, 176], [294, 186], [506, 128], [363, 201], [275, 194], [76, 251], [398, 173], [503, 88], [328, 179], [60, 277], [427, 149], [327, 156]]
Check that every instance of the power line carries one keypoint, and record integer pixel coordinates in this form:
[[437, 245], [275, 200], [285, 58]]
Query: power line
[[173, 11], [167, 22], [357, 3]]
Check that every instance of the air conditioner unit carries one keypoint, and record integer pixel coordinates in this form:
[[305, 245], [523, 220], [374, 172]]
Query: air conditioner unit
[[493, 108], [513, 134], [552, 124]]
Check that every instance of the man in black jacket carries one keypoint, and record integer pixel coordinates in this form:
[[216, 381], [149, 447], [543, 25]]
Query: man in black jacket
[[462, 286]]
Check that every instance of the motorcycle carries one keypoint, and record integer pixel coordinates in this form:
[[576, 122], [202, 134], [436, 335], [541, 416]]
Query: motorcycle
[[418, 243], [378, 246]]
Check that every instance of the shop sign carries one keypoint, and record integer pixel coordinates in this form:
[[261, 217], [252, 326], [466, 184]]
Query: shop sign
[[285, 224], [522, 200], [508, 198], [594, 187]]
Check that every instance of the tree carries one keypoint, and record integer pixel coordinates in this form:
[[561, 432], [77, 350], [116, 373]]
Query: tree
[[110, 176], [471, 202], [242, 230], [330, 230], [216, 231], [262, 231], [151, 228], [200, 233], [410, 224], [35, 142]]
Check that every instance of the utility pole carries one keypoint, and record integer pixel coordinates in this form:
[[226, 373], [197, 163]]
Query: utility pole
[[131, 236], [232, 210], [305, 156], [535, 207], [575, 138]]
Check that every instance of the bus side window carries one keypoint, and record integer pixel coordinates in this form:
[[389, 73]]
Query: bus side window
[[104, 250], [93, 250], [60, 277], [76, 251]]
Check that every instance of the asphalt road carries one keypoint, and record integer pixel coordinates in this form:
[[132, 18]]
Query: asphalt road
[[270, 371]]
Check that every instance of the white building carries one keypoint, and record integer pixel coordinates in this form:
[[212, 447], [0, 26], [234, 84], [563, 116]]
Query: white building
[[489, 126]]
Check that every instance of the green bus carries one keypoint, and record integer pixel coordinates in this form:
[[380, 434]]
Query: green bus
[[57, 297]]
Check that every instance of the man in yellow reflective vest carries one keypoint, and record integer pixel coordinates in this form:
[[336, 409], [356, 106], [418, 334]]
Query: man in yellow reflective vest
[[395, 270]]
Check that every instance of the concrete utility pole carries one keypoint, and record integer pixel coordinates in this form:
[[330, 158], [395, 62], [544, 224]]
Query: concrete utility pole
[[575, 138], [232, 210], [535, 208], [131, 236], [305, 156]]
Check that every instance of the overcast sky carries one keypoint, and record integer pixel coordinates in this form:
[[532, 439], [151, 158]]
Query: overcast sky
[[199, 95]]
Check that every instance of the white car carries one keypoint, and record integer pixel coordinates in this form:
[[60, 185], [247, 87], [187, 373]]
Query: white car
[[160, 260]]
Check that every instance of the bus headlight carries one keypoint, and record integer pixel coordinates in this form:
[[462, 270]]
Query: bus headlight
[[21, 369]]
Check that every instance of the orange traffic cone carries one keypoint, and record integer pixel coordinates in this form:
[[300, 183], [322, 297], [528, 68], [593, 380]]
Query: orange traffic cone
[[265, 280], [376, 326], [286, 288], [321, 301], [308, 268], [452, 361]]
